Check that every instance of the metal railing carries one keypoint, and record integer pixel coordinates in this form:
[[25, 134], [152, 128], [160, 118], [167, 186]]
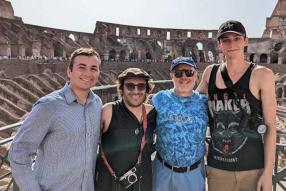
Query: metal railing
[[4, 163], [279, 174]]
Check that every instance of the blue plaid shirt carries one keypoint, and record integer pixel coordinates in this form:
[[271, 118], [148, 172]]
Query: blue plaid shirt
[[64, 133]]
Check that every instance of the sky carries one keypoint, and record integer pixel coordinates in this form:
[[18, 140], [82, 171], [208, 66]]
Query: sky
[[81, 15]]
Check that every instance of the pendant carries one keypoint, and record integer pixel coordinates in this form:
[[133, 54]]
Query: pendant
[[261, 129], [136, 131]]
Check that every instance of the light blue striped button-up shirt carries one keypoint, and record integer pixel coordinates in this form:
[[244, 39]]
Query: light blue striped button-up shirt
[[64, 135]]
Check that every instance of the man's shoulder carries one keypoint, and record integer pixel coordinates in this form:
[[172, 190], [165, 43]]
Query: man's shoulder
[[200, 96], [210, 67], [261, 72], [148, 107], [262, 69], [107, 108], [208, 70], [96, 98], [51, 98]]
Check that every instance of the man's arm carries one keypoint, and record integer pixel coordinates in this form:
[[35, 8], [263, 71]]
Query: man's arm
[[203, 85], [268, 98], [25, 144], [106, 116]]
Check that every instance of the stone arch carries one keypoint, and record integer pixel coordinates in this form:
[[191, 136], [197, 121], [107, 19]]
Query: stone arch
[[184, 52], [200, 45], [122, 55], [58, 50], [283, 55], [210, 56], [133, 56], [283, 91], [263, 58], [14, 50], [274, 58], [279, 92], [148, 55], [142, 48], [251, 58], [278, 46], [211, 52], [112, 55], [200, 48], [72, 37], [201, 56], [28, 50]]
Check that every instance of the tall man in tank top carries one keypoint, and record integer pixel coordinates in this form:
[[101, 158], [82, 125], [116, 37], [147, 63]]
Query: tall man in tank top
[[62, 130], [238, 159], [181, 129], [125, 162]]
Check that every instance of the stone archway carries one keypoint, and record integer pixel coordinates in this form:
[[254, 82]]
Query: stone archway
[[122, 55], [211, 57], [133, 56], [58, 50], [112, 55], [263, 58], [274, 58], [251, 58], [148, 55], [279, 92], [201, 55]]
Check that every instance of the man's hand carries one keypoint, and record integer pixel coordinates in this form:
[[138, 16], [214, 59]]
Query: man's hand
[[264, 183]]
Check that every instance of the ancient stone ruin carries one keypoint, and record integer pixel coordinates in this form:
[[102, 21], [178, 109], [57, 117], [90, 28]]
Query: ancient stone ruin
[[116, 42]]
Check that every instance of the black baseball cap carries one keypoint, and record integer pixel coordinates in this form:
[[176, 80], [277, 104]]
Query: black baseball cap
[[231, 26]]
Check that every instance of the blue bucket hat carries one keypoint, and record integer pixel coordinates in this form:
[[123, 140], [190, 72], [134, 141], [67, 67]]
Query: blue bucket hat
[[183, 60]]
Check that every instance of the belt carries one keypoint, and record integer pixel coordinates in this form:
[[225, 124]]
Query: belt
[[179, 169]]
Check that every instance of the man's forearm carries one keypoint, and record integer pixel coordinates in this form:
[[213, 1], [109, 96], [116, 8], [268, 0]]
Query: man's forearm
[[269, 150]]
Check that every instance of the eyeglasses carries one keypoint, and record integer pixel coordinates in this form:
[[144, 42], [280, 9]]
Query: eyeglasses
[[131, 86], [179, 73]]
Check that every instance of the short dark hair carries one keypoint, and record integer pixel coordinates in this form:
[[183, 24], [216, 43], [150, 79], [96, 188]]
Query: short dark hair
[[82, 52]]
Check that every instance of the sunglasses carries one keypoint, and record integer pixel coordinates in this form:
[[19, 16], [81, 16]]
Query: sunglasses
[[179, 73], [131, 86]]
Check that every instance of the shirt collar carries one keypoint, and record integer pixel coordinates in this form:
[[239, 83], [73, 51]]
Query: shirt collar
[[71, 97]]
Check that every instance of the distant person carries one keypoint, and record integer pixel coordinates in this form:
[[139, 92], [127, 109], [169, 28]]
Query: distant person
[[127, 124], [61, 133], [181, 131], [242, 107]]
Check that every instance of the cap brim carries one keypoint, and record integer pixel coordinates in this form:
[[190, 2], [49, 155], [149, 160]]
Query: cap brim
[[194, 66], [230, 32]]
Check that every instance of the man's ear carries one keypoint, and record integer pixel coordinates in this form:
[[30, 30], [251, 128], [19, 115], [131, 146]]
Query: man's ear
[[245, 41], [218, 44]]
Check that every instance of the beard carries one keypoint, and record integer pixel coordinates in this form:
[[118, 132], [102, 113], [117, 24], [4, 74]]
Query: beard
[[133, 104]]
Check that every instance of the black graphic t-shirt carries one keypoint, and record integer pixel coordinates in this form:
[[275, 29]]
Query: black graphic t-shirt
[[236, 145]]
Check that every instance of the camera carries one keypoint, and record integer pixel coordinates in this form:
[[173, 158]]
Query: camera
[[129, 178]]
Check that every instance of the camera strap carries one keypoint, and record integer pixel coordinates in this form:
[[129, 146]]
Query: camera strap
[[143, 142]]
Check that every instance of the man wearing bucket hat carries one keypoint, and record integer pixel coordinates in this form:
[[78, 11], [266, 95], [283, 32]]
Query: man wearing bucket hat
[[242, 109], [181, 127], [127, 140]]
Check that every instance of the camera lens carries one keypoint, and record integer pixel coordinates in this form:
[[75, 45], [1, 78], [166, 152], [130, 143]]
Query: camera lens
[[132, 178]]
